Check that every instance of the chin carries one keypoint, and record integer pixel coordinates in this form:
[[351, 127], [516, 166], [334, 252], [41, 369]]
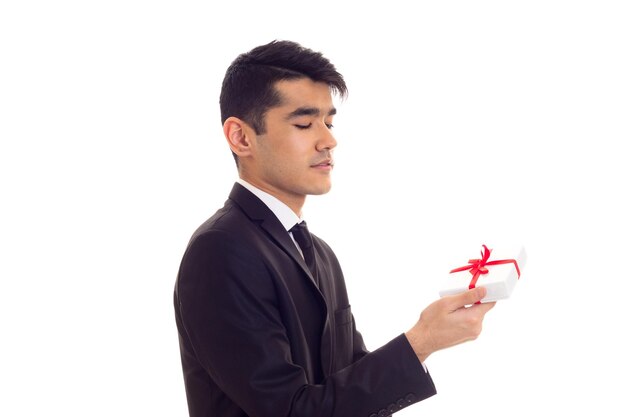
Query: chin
[[320, 190]]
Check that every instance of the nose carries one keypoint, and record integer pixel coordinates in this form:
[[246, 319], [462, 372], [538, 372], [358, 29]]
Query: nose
[[327, 140]]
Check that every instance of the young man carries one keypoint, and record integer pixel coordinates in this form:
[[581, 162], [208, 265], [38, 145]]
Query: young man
[[263, 316]]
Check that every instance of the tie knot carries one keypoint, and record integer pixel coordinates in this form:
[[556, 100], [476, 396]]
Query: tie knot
[[302, 235]]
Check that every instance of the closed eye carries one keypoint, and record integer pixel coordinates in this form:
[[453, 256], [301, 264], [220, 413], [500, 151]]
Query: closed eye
[[302, 127]]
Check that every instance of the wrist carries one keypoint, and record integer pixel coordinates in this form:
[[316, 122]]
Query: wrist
[[419, 344]]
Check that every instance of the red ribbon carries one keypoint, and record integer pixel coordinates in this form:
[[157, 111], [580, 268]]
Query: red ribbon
[[477, 267]]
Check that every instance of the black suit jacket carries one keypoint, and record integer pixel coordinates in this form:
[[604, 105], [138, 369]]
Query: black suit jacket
[[259, 338]]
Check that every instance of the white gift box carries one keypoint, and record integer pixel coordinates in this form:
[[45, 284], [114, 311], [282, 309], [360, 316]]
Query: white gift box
[[500, 280]]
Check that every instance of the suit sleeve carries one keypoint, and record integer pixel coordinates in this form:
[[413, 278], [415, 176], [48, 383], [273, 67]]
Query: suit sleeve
[[229, 311]]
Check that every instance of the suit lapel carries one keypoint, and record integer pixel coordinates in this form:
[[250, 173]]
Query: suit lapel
[[259, 212]]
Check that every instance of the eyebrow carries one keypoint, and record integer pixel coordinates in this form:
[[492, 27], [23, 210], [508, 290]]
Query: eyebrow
[[308, 111]]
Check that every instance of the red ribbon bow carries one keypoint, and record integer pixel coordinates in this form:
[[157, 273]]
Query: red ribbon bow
[[477, 268]]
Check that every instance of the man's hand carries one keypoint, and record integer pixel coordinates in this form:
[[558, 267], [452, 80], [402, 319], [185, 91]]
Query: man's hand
[[448, 322]]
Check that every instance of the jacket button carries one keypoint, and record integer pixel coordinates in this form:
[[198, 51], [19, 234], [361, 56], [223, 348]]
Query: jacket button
[[392, 408], [383, 413], [401, 403], [410, 398]]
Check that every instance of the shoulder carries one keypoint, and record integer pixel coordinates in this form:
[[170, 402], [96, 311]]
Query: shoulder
[[226, 232], [221, 258], [223, 219]]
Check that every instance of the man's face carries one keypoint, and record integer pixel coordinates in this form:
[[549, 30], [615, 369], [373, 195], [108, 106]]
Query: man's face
[[293, 158]]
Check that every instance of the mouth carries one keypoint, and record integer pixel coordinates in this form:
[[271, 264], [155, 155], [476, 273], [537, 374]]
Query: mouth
[[326, 164]]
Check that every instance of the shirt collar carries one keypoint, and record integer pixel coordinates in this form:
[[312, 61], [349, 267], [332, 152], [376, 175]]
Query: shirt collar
[[285, 215]]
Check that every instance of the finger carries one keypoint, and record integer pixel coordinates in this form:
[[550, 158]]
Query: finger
[[468, 297]]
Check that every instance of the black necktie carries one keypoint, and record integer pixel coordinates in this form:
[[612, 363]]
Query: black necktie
[[302, 235]]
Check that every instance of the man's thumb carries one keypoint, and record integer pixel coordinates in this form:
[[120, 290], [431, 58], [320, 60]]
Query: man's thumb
[[472, 296]]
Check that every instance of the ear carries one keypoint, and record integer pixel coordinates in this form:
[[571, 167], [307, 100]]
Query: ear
[[238, 135]]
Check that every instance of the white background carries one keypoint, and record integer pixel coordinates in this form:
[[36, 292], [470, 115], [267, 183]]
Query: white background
[[492, 122]]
